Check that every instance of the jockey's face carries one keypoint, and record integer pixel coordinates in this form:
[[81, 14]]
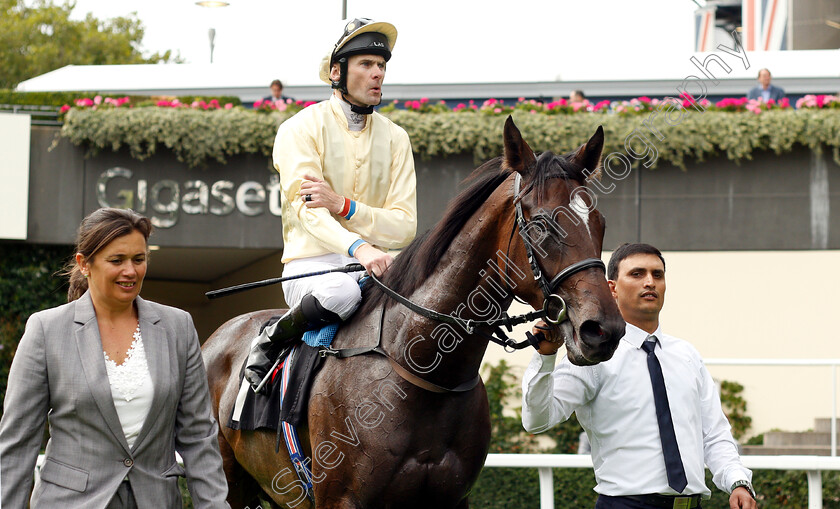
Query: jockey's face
[[365, 74]]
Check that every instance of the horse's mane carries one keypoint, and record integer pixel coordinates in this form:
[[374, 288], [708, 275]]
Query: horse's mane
[[419, 259]]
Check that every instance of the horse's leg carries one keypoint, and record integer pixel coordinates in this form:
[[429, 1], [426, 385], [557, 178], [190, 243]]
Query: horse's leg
[[243, 490]]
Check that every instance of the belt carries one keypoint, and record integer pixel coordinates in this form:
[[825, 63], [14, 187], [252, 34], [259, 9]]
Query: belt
[[671, 502]]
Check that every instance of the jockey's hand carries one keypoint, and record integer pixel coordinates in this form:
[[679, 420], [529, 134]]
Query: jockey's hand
[[552, 341], [322, 195], [375, 261]]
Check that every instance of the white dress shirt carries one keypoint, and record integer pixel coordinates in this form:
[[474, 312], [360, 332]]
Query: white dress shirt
[[614, 404]]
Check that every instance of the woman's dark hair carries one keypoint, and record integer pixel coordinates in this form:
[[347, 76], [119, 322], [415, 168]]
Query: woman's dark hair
[[626, 250], [97, 231]]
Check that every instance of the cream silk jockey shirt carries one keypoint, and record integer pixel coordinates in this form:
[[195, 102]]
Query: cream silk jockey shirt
[[614, 404], [373, 167]]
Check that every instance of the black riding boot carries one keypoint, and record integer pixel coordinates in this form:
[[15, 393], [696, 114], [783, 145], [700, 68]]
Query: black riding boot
[[307, 315]]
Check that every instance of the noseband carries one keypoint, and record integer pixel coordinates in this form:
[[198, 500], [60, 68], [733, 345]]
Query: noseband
[[552, 302]]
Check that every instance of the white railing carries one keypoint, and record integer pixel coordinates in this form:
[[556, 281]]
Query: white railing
[[834, 363], [544, 463]]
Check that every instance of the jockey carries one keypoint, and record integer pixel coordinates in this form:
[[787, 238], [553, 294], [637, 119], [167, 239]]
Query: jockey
[[348, 190]]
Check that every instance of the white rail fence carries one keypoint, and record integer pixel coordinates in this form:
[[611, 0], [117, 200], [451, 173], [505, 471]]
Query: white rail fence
[[544, 463], [812, 465]]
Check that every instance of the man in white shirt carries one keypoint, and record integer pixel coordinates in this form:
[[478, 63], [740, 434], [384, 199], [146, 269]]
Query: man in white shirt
[[649, 440]]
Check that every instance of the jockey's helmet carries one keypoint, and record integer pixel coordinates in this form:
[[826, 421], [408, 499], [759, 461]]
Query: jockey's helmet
[[362, 36]]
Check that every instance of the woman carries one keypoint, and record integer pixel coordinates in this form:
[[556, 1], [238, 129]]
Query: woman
[[122, 382]]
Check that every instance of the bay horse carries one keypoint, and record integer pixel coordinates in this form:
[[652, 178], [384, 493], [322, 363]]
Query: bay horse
[[410, 428]]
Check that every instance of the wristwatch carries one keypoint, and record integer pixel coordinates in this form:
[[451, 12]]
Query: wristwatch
[[745, 484]]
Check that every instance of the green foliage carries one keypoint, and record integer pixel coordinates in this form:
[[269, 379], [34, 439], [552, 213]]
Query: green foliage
[[38, 37], [198, 136], [27, 284], [735, 407], [58, 99], [194, 136]]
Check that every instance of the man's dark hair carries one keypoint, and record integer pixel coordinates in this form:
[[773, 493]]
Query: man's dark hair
[[625, 250], [276, 82]]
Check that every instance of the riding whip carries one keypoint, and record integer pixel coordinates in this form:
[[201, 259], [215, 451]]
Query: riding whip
[[353, 267]]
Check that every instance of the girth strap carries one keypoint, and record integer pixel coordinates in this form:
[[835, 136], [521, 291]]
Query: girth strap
[[405, 374]]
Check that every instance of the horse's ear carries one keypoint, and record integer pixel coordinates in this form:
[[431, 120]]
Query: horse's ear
[[518, 155], [589, 154]]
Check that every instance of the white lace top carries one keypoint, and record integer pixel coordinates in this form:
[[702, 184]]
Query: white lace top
[[131, 388]]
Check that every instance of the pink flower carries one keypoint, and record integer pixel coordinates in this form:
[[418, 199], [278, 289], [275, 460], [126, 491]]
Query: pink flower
[[229, 106], [163, 104], [497, 110], [308, 104], [258, 103], [97, 100], [424, 100], [64, 109], [521, 99], [84, 102]]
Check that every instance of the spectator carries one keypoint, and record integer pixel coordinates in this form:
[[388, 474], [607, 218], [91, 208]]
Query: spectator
[[277, 93], [577, 96], [765, 91]]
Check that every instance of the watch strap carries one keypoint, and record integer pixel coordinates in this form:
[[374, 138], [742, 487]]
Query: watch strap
[[743, 483]]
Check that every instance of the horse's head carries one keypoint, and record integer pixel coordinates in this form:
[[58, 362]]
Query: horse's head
[[563, 228]]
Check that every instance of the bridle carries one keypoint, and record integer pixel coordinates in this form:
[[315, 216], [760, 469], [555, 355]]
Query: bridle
[[548, 287], [554, 309]]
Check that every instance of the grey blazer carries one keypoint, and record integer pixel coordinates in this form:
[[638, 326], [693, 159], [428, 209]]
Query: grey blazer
[[59, 372]]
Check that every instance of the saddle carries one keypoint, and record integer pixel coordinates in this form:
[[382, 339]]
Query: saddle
[[264, 411]]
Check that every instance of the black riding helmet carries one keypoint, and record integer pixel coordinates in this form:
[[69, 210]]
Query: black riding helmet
[[362, 36]]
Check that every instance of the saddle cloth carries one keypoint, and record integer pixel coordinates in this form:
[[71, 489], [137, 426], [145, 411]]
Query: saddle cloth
[[254, 411]]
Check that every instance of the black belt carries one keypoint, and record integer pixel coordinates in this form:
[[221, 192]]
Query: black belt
[[671, 502]]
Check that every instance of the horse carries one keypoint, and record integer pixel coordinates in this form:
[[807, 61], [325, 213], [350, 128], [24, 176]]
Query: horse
[[409, 426]]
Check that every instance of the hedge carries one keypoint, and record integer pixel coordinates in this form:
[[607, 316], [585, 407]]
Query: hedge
[[197, 137], [59, 99]]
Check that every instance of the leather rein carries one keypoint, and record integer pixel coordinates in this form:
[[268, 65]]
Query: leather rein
[[554, 311]]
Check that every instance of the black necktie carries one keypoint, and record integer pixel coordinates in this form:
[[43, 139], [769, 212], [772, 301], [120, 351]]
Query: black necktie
[[673, 463]]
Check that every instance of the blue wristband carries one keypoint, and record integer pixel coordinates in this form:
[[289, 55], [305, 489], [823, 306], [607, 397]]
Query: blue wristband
[[352, 210], [355, 246]]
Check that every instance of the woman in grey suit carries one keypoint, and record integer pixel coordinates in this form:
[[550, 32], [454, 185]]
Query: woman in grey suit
[[122, 382]]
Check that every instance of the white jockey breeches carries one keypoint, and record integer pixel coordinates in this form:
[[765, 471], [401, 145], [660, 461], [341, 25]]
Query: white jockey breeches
[[338, 292]]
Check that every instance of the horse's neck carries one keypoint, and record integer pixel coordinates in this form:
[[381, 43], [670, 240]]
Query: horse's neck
[[466, 283]]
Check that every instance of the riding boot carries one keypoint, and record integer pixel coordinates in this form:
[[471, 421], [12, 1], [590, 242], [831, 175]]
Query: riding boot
[[307, 315]]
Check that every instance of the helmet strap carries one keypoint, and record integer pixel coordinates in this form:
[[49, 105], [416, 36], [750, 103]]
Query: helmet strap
[[341, 84]]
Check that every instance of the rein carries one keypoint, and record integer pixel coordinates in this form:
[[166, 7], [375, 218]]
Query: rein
[[554, 307]]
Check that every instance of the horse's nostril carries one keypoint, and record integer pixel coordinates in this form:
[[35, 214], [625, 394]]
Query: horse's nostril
[[592, 334]]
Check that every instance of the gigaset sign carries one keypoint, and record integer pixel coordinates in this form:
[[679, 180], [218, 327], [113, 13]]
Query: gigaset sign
[[166, 198]]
